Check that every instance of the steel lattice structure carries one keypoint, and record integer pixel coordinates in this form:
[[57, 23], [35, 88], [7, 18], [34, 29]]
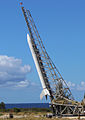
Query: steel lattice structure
[[59, 92]]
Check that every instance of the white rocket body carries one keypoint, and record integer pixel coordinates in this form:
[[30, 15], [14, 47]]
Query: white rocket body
[[45, 91]]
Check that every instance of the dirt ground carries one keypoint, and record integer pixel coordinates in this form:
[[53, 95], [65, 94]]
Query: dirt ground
[[33, 116]]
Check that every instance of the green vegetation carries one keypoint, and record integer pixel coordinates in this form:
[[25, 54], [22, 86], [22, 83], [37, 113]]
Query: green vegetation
[[16, 110], [2, 107]]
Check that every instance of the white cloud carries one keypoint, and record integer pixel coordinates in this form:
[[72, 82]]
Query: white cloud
[[70, 84], [78, 87], [81, 86], [12, 73], [83, 83], [22, 84]]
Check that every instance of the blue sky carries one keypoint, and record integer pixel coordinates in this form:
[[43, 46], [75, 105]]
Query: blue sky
[[61, 24]]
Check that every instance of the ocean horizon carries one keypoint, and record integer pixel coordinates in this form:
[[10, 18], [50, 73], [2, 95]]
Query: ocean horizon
[[26, 105]]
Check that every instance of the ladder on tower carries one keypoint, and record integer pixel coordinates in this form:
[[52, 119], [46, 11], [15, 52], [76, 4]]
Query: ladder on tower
[[52, 81]]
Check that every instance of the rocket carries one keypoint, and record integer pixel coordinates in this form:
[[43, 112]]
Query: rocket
[[45, 91]]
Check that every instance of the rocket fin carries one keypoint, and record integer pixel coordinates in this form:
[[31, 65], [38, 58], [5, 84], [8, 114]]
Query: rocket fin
[[44, 92]]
